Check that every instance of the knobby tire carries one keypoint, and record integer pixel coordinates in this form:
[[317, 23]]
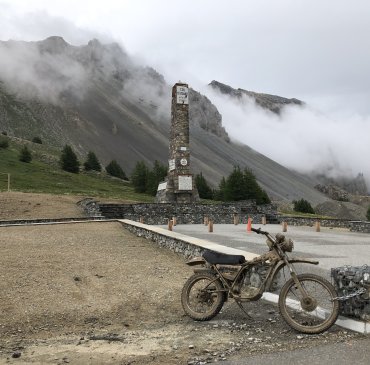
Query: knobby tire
[[307, 319], [202, 296]]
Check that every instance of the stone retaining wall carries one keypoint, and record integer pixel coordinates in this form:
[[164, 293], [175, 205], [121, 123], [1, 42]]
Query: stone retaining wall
[[324, 222], [186, 213], [177, 245], [360, 226]]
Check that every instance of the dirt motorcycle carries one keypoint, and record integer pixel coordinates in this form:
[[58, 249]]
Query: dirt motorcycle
[[307, 302]]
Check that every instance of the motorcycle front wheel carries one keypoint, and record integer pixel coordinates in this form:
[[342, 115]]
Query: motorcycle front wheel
[[202, 296], [314, 313]]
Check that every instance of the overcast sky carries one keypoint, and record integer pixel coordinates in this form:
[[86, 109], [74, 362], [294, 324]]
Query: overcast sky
[[310, 49], [314, 50]]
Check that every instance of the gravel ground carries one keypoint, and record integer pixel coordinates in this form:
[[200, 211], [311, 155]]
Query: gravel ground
[[93, 293]]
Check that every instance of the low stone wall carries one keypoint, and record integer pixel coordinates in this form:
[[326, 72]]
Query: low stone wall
[[360, 226], [324, 222], [155, 214], [177, 245]]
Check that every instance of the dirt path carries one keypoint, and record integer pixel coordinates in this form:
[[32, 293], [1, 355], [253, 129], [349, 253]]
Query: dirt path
[[93, 293], [17, 205]]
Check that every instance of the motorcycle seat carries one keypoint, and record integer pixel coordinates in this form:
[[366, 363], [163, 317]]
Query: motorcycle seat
[[223, 258]]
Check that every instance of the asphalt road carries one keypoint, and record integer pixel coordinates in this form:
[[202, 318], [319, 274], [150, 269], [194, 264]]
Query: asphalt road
[[331, 247], [351, 352]]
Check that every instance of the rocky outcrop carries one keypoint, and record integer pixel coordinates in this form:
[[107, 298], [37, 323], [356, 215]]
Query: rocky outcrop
[[273, 103], [203, 113], [333, 192]]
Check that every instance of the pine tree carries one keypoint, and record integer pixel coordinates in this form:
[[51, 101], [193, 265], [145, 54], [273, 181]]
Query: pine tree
[[92, 162], [234, 189], [139, 177], [69, 161], [253, 190], [219, 194], [114, 169], [154, 177], [204, 190], [25, 155]]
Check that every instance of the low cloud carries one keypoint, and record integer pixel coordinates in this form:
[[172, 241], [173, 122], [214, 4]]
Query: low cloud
[[31, 72], [300, 138]]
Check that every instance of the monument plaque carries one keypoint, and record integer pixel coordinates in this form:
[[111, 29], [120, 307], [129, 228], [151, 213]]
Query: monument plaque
[[185, 183]]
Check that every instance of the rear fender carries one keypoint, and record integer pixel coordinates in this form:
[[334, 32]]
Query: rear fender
[[196, 261], [281, 264]]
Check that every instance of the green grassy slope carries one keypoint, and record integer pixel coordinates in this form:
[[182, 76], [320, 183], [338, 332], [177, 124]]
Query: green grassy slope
[[42, 177]]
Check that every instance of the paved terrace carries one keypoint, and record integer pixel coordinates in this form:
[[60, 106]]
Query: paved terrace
[[333, 247]]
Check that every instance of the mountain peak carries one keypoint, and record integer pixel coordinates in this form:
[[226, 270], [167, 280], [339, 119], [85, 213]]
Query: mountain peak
[[53, 44]]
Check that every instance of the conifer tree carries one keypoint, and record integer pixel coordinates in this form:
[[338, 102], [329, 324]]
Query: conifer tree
[[114, 169], [69, 161], [139, 177], [154, 177], [25, 155], [92, 162], [204, 190]]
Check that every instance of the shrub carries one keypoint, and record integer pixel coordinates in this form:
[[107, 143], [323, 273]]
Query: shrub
[[4, 143], [114, 169], [303, 206], [92, 162], [69, 161], [37, 140], [25, 155]]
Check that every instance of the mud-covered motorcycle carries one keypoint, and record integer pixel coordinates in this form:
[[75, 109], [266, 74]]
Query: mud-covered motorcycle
[[307, 302]]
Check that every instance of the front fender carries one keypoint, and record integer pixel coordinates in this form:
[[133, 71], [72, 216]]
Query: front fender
[[281, 264]]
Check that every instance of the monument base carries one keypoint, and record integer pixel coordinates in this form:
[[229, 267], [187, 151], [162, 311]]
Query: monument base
[[167, 194]]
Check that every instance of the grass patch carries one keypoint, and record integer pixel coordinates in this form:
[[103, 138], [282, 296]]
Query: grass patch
[[41, 177]]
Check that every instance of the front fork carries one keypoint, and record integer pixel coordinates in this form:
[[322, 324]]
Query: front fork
[[294, 275]]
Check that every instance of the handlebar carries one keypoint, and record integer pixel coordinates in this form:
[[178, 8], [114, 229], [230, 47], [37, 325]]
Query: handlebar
[[259, 231]]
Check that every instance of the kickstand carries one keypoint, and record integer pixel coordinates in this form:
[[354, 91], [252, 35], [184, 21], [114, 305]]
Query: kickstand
[[242, 308]]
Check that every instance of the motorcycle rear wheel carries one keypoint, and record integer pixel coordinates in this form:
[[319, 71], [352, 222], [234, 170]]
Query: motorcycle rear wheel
[[202, 296], [313, 314]]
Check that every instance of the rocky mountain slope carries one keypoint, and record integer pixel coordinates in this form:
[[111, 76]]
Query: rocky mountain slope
[[94, 97]]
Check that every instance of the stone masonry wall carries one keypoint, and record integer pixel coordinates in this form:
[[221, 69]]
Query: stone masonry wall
[[188, 213], [177, 245]]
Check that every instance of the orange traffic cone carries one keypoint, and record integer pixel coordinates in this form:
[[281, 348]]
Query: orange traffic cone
[[249, 225]]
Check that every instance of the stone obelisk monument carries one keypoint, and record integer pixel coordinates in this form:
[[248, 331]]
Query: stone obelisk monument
[[179, 186]]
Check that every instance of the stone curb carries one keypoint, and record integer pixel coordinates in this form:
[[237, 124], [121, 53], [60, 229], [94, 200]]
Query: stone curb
[[348, 323]]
